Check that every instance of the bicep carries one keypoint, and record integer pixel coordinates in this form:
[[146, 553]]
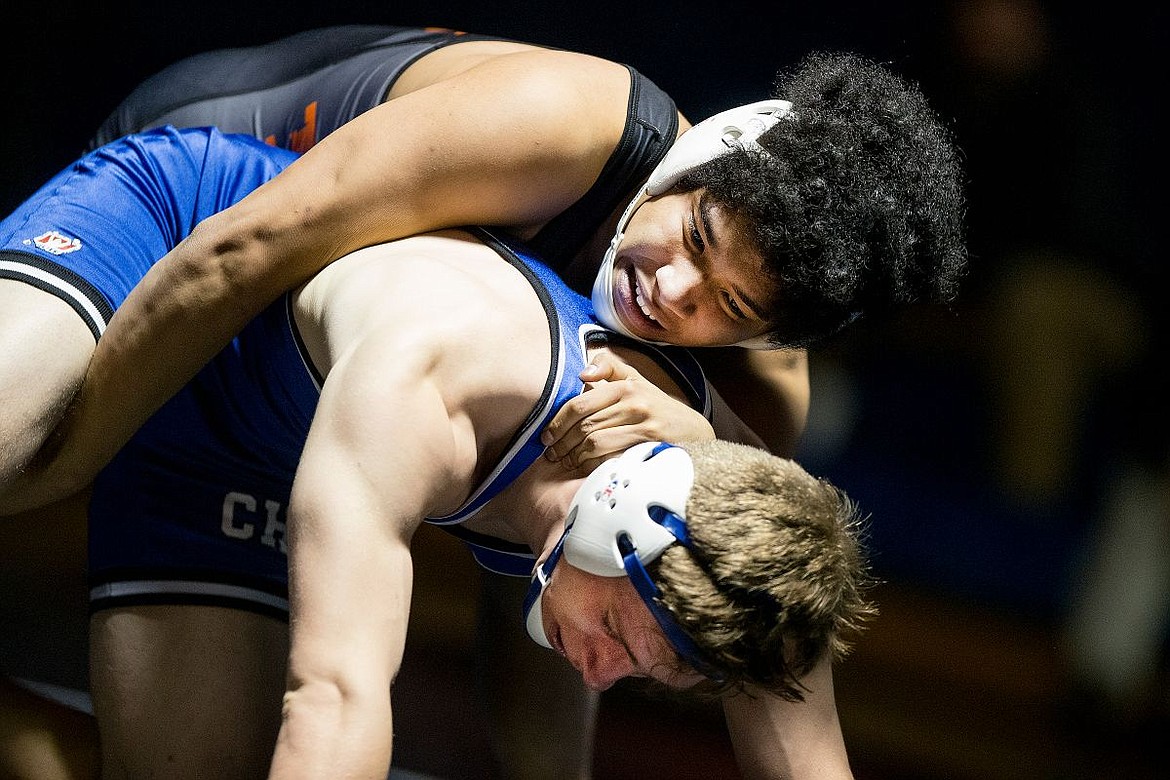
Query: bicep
[[511, 142], [382, 453]]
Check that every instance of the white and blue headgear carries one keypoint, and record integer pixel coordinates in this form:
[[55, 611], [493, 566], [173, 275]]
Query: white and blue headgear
[[736, 128], [625, 514]]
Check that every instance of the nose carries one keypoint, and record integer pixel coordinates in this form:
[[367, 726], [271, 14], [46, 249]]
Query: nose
[[678, 285], [605, 665]]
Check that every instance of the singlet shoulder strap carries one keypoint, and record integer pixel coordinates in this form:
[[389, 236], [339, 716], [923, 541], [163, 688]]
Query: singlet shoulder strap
[[566, 312], [651, 127]]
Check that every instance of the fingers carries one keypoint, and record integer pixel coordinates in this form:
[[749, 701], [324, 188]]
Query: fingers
[[601, 445], [601, 407], [606, 367], [607, 381], [619, 409]]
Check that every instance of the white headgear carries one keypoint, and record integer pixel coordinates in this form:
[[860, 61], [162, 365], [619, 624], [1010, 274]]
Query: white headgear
[[624, 515], [736, 128]]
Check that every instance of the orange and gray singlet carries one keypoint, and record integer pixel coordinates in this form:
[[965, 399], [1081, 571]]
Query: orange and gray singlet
[[294, 91]]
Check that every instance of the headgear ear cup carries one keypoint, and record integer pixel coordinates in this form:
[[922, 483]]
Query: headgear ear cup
[[736, 128], [715, 136], [625, 514], [618, 498]]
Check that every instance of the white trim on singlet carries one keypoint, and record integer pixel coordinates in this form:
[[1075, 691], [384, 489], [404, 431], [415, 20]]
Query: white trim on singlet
[[130, 588], [68, 290], [529, 431]]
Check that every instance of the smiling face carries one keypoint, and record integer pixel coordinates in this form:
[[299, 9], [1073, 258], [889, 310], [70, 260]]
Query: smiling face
[[684, 275], [602, 628]]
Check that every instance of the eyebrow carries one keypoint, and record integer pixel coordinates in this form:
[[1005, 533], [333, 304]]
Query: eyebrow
[[706, 207]]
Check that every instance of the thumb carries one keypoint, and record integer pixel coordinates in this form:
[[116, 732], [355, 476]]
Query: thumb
[[606, 366]]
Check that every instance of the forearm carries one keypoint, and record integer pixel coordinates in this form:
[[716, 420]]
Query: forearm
[[354, 507], [185, 309], [326, 732], [776, 739]]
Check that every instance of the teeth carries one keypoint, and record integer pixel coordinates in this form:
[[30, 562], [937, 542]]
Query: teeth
[[642, 304]]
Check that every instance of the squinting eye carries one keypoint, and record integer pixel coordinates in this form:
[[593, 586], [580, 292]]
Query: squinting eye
[[734, 307], [608, 626], [696, 236]]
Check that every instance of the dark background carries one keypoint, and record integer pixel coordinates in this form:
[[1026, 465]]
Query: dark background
[[1011, 449]]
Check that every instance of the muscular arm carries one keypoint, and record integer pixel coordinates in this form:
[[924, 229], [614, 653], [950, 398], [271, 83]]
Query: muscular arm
[[780, 740], [386, 448], [356, 502], [412, 412], [511, 141]]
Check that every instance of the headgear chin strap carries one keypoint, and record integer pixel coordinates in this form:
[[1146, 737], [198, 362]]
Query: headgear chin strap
[[736, 128], [625, 514]]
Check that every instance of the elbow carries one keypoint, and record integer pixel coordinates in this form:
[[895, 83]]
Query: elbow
[[331, 724], [310, 707], [332, 696], [225, 256], [347, 700]]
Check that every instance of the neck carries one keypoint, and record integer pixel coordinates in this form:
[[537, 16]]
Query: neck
[[549, 495], [532, 509]]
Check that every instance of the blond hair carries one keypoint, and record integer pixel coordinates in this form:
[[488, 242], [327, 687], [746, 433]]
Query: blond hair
[[775, 575]]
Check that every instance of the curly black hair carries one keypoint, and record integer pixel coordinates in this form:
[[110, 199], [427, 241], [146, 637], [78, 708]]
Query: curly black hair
[[858, 204]]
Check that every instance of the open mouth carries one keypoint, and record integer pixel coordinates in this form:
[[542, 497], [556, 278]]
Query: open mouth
[[634, 307]]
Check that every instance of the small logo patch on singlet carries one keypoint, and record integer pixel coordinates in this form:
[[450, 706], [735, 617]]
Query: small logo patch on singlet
[[56, 243]]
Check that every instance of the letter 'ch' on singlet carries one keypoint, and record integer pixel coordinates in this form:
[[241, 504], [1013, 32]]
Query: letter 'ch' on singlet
[[296, 90]]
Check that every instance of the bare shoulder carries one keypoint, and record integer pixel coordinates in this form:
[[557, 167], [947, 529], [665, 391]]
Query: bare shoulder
[[562, 66], [444, 294], [578, 95], [450, 61]]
